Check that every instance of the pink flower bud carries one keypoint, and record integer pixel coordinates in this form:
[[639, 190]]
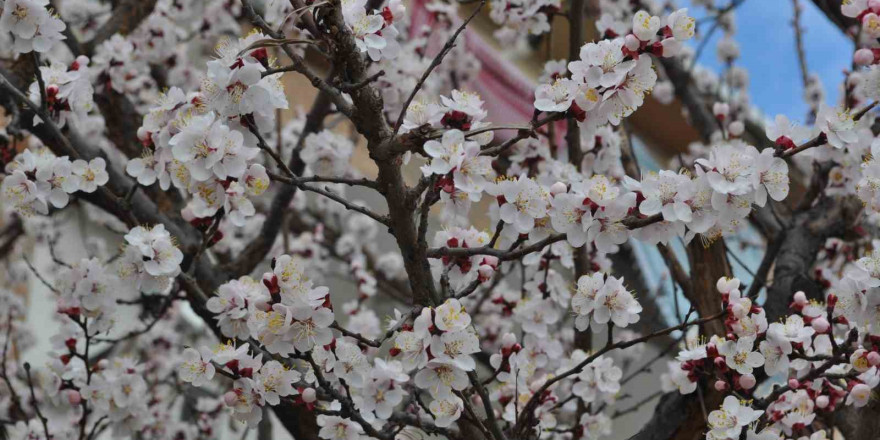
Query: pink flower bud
[[747, 381], [822, 402], [874, 5], [486, 272], [74, 397], [230, 398], [490, 260], [874, 358], [721, 386], [800, 298], [309, 395], [711, 350], [820, 324], [632, 43], [720, 110], [558, 188], [793, 383], [736, 128], [863, 57]]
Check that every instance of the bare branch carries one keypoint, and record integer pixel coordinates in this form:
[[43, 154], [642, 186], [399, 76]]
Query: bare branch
[[338, 199], [506, 255]]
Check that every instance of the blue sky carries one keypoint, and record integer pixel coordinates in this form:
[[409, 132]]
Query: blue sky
[[767, 48]]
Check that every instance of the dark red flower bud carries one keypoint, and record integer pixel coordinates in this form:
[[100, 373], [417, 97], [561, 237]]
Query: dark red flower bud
[[577, 112], [832, 301], [785, 143], [387, 15]]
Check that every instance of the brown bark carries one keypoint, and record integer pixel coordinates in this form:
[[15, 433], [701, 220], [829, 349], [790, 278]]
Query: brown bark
[[678, 416], [127, 15], [829, 217]]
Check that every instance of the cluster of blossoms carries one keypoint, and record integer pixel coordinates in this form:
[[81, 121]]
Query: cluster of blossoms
[[595, 210], [202, 143], [327, 154], [463, 172], [33, 25], [115, 390], [608, 83], [112, 390], [611, 78], [90, 289], [599, 301], [857, 169], [733, 107], [117, 66], [515, 350], [256, 383], [37, 179], [866, 12], [461, 110], [418, 50], [522, 18], [75, 390], [439, 344], [463, 270], [727, 183], [150, 259], [824, 353], [374, 31], [68, 91], [292, 319]]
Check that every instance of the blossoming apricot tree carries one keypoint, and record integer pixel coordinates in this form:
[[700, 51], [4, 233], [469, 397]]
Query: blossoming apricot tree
[[217, 202]]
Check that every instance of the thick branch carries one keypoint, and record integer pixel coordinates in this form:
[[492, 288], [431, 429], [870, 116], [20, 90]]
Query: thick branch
[[830, 217], [126, 16]]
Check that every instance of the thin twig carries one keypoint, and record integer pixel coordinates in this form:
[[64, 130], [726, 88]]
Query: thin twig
[[770, 254], [44, 104], [450, 43], [347, 204], [680, 276], [296, 181], [498, 149], [507, 255], [799, 42], [43, 420], [347, 87], [487, 406], [16, 402], [822, 138], [361, 339], [635, 407], [538, 395], [39, 276]]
